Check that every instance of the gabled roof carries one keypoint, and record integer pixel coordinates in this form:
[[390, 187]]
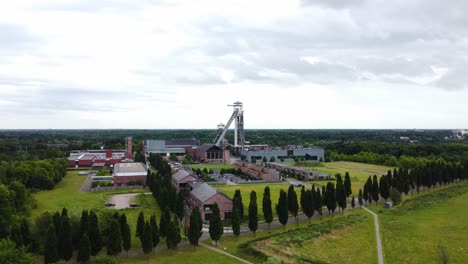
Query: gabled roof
[[180, 175], [203, 192], [182, 142], [206, 147]]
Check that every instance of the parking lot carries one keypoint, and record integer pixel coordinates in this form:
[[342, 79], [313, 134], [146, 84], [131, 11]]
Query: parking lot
[[122, 201]]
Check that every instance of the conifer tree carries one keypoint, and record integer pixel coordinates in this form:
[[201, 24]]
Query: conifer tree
[[267, 210], [375, 189], [216, 226], [140, 224], [331, 198], [154, 230], [282, 208], [94, 234], [65, 247], [237, 202], [195, 232], [253, 211], [84, 250], [353, 203], [84, 223], [308, 208], [318, 202], [384, 187], [50, 247], [25, 232], [126, 237], [235, 222], [114, 241], [340, 193], [324, 196], [122, 222], [293, 205], [164, 223], [146, 238], [57, 220], [180, 205], [347, 184], [64, 212], [302, 199], [360, 198]]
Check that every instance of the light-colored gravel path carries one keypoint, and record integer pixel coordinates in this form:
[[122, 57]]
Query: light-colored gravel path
[[377, 235]]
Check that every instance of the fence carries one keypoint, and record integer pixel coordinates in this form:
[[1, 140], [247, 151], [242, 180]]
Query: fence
[[100, 189]]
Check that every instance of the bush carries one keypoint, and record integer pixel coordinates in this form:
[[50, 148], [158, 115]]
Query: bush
[[395, 195]]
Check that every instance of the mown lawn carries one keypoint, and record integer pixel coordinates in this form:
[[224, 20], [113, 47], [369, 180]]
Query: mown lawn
[[182, 255], [67, 194], [413, 232]]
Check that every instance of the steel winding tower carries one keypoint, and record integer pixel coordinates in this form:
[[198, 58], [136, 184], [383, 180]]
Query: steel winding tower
[[239, 134]]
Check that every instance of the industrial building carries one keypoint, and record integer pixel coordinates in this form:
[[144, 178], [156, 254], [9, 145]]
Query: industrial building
[[204, 196], [165, 148], [129, 172], [257, 171], [210, 153], [300, 173], [288, 154], [86, 158]]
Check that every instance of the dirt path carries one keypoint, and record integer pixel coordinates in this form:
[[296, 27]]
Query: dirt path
[[87, 183], [377, 235], [225, 253]]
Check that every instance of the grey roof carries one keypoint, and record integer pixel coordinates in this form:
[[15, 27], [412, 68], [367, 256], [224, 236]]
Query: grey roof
[[180, 175], [203, 192], [182, 142], [129, 169]]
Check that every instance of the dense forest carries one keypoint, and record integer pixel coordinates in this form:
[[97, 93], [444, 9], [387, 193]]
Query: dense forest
[[43, 144]]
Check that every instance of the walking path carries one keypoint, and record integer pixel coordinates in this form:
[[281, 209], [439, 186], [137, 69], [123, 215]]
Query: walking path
[[377, 235], [87, 183], [224, 253]]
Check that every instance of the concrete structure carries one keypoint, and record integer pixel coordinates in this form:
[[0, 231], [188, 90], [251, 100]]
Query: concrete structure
[[86, 158], [204, 196], [128, 147], [239, 135], [181, 179], [300, 173], [312, 154], [257, 171], [210, 153], [131, 171]]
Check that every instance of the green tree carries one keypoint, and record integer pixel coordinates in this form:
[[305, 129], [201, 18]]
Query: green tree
[[122, 222], [9, 253], [164, 222], [253, 211], [84, 250], [272, 159], [267, 210], [50, 247], [340, 193], [195, 232], [360, 197], [126, 237], [353, 203], [154, 230], [180, 205], [114, 241], [65, 247], [384, 187], [293, 205], [146, 238], [94, 232], [347, 184], [237, 202], [19, 194], [331, 198], [308, 207], [173, 233], [282, 208], [235, 222], [84, 223], [318, 201], [25, 233], [140, 224], [375, 189], [216, 226], [395, 195]]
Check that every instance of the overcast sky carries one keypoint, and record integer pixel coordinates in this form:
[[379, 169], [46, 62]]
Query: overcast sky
[[178, 64]]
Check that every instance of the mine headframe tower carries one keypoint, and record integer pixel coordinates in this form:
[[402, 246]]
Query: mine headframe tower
[[239, 135]]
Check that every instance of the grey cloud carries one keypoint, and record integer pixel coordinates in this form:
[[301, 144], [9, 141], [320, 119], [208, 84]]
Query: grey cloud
[[454, 79], [333, 3]]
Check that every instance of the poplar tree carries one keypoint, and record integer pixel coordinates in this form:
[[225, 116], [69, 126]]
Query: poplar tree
[[122, 222], [308, 208], [180, 205], [140, 224], [360, 198], [146, 238], [375, 189], [302, 199], [94, 234], [237, 202], [25, 232], [154, 230], [126, 237], [84, 223], [267, 210], [65, 247], [384, 187], [318, 202], [84, 250], [253, 211], [293, 205], [331, 198], [50, 247], [236, 222], [195, 232], [114, 241], [216, 226], [164, 222], [353, 203], [347, 184], [340, 193], [282, 208]]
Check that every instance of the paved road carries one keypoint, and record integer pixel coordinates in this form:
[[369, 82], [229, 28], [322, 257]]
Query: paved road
[[87, 183], [377, 235]]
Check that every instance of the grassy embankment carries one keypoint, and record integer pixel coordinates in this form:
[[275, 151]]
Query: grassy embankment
[[210, 166]]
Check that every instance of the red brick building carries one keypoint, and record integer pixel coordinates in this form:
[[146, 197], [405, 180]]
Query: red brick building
[[204, 196], [126, 172]]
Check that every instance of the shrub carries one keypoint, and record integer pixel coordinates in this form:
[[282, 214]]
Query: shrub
[[395, 195]]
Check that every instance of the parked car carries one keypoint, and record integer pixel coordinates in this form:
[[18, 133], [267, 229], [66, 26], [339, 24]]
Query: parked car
[[297, 184], [134, 205], [109, 204]]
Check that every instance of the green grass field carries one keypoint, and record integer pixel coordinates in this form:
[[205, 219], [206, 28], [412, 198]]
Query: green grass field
[[210, 166], [67, 194], [412, 232], [182, 255]]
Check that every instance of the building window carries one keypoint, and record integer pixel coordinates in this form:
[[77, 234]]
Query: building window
[[227, 215]]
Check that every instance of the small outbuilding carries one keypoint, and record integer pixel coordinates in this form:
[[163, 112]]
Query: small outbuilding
[[129, 172]]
